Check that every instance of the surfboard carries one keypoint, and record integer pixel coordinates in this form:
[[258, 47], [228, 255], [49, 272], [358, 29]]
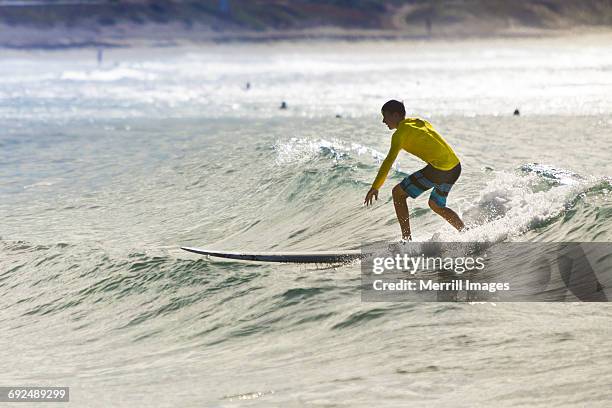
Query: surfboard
[[283, 257]]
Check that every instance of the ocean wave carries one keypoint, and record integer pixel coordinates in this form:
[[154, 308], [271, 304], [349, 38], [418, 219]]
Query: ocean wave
[[301, 150], [108, 75], [552, 174], [513, 203]]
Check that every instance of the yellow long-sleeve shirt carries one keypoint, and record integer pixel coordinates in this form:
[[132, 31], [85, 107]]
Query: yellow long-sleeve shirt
[[418, 137]]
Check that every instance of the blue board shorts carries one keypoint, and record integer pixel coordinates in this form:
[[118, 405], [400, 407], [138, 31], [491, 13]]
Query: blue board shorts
[[422, 180]]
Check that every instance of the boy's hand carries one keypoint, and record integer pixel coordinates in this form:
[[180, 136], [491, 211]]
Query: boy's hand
[[373, 193]]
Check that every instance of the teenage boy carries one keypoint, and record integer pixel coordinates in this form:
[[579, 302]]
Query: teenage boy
[[418, 137]]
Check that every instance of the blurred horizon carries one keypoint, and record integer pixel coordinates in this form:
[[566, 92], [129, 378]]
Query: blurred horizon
[[73, 23]]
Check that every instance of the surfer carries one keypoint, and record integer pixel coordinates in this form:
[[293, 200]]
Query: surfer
[[418, 137]]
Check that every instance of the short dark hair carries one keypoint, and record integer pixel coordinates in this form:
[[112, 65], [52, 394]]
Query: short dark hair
[[394, 106]]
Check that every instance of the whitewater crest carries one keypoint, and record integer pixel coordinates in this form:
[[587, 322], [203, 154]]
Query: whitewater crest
[[301, 150], [512, 203], [109, 75]]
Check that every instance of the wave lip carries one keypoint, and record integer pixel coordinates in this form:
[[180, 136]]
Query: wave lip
[[554, 174], [514, 203]]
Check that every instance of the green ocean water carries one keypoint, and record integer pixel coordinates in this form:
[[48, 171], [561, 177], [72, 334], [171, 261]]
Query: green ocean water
[[107, 170]]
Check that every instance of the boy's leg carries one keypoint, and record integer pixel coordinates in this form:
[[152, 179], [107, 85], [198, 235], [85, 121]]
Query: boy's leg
[[401, 210], [412, 186], [448, 214], [444, 182]]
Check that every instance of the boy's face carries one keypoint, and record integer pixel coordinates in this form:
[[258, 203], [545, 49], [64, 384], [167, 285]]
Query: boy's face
[[391, 119]]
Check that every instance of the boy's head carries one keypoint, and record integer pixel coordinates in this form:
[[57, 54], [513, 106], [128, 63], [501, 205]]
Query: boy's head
[[393, 113]]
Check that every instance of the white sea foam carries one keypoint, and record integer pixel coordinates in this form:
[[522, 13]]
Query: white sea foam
[[300, 150], [479, 78], [108, 75], [513, 203]]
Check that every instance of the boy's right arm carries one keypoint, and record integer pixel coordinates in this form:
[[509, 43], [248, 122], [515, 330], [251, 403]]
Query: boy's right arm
[[384, 170], [387, 163]]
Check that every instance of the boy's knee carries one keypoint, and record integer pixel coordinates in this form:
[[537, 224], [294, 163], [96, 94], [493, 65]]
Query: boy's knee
[[435, 207], [398, 192]]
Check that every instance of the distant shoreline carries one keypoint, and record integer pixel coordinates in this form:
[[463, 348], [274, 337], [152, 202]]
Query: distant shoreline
[[51, 25], [155, 36]]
